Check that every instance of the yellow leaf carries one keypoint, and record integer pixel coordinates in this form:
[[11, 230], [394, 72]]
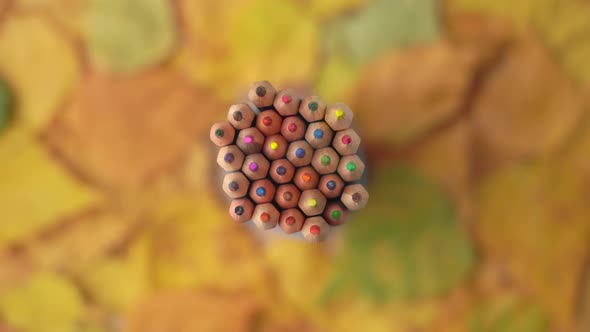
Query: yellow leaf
[[45, 303], [300, 270], [195, 243], [39, 64], [67, 247], [35, 191], [336, 80], [118, 283]]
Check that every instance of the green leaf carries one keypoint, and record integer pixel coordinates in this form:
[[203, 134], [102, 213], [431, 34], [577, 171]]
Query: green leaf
[[5, 105], [507, 314], [406, 244], [382, 26], [125, 36]]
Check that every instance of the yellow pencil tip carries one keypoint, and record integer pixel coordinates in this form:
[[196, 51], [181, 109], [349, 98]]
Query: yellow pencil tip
[[312, 202], [339, 114], [274, 145]]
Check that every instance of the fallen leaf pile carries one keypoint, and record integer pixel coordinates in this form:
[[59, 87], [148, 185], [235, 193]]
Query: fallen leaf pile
[[475, 131]]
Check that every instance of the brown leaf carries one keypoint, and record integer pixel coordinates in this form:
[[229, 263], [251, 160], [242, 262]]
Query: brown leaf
[[122, 132], [194, 311], [403, 95], [526, 107]]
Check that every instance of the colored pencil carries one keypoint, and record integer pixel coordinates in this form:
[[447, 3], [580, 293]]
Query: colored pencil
[[255, 166], [287, 102], [222, 134], [265, 216], [240, 116], [312, 202], [275, 147], [319, 135], [293, 128], [346, 142], [230, 158], [339, 116], [241, 210], [281, 171], [250, 140], [306, 178], [355, 197], [325, 160], [312, 109], [335, 213], [262, 191], [291, 221], [315, 229], [287, 196], [299, 153], [262, 94], [331, 185], [235, 185], [269, 122], [351, 168]]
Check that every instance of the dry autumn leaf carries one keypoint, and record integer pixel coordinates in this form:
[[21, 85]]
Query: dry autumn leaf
[[300, 271], [259, 39], [6, 105], [27, 206], [39, 64], [124, 132], [531, 119], [126, 36], [195, 244], [32, 305], [66, 13], [401, 96], [523, 209], [66, 247], [407, 245], [119, 283], [190, 310]]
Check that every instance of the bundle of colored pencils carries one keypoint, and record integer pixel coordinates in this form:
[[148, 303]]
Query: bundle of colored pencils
[[290, 161]]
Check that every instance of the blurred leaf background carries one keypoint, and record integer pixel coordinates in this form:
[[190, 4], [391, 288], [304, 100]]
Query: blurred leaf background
[[474, 118]]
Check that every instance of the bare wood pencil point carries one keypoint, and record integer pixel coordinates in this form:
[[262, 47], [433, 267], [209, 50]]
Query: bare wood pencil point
[[300, 153], [255, 166], [325, 160], [346, 142], [287, 102], [291, 221], [275, 147], [306, 178], [269, 122], [351, 168], [319, 134], [241, 210], [339, 116], [355, 197], [331, 185], [222, 134], [265, 216], [240, 116], [293, 128], [335, 213], [250, 140], [312, 108], [230, 158], [312, 202], [235, 185], [262, 191], [287, 196], [315, 229], [282, 171], [262, 94]]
